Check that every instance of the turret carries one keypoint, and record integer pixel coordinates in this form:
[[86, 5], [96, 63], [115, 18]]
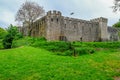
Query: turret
[[54, 13], [53, 22], [102, 27]]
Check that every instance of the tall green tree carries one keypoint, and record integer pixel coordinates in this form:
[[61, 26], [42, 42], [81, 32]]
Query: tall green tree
[[12, 32], [3, 32], [117, 25]]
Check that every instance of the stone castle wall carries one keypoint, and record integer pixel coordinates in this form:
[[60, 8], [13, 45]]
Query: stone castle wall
[[102, 27], [71, 29], [80, 30], [56, 27], [39, 28]]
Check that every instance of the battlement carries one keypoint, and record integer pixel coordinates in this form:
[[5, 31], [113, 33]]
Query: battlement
[[54, 13], [80, 20], [101, 19]]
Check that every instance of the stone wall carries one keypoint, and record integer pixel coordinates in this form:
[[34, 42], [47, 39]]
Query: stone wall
[[54, 22], [55, 27], [70, 29], [113, 34], [103, 27], [39, 28], [80, 30]]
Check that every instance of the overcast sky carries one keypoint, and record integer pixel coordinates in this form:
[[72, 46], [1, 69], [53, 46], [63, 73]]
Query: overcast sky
[[83, 9]]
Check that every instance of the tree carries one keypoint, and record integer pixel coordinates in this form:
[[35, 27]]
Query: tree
[[117, 25], [12, 31], [29, 12], [2, 33], [116, 6]]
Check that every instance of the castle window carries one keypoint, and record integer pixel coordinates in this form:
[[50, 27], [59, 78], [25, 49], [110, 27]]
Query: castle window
[[57, 19], [52, 19], [74, 26], [83, 28], [65, 25], [62, 38]]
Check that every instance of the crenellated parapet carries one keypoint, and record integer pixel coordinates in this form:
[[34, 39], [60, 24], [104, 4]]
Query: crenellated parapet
[[68, 19], [101, 19], [54, 13]]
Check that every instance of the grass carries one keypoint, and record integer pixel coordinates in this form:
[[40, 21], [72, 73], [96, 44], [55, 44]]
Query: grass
[[29, 63]]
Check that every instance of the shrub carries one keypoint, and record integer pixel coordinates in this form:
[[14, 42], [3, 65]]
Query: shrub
[[7, 41], [98, 44], [117, 25], [1, 46], [68, 53], [65, 53], [52, 46], [18, 36], [2, 33], [84, 50]]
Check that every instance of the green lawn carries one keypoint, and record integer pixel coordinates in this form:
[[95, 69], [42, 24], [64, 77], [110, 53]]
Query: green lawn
[[28, 63]]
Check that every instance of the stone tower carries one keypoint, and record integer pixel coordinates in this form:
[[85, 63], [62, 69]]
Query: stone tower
[[103, 33], [53, 19]]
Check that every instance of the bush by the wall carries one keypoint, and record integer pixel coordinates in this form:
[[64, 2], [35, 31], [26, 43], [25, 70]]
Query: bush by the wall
[[69, 53], [52, 46], [98, 44], [64, 48], [84, 50], [65, 53]]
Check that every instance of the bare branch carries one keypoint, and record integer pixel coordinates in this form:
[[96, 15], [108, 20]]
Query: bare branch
[[116, 6], [29, 11]]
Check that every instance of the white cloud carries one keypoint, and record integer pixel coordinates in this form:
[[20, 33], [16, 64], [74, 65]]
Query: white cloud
[[7, 17], [87, 9]]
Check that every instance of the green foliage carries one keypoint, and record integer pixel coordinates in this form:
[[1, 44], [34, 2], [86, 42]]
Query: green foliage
[[26, 41], [52, 46], [98, 44], [66, 48], [7, 41], [1, 46], [117, 25], [18, 35], [67, 53], [12, 34], [2, 33], [84, 50], [29, 63], [13, 30]]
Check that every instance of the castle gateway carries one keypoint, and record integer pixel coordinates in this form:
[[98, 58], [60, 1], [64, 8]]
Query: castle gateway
[[55, 27]]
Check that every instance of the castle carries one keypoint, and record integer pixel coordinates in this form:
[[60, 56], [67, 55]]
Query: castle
[[54, 27]]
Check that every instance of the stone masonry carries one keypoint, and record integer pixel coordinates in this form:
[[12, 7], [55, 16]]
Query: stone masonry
[[55, 27]]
